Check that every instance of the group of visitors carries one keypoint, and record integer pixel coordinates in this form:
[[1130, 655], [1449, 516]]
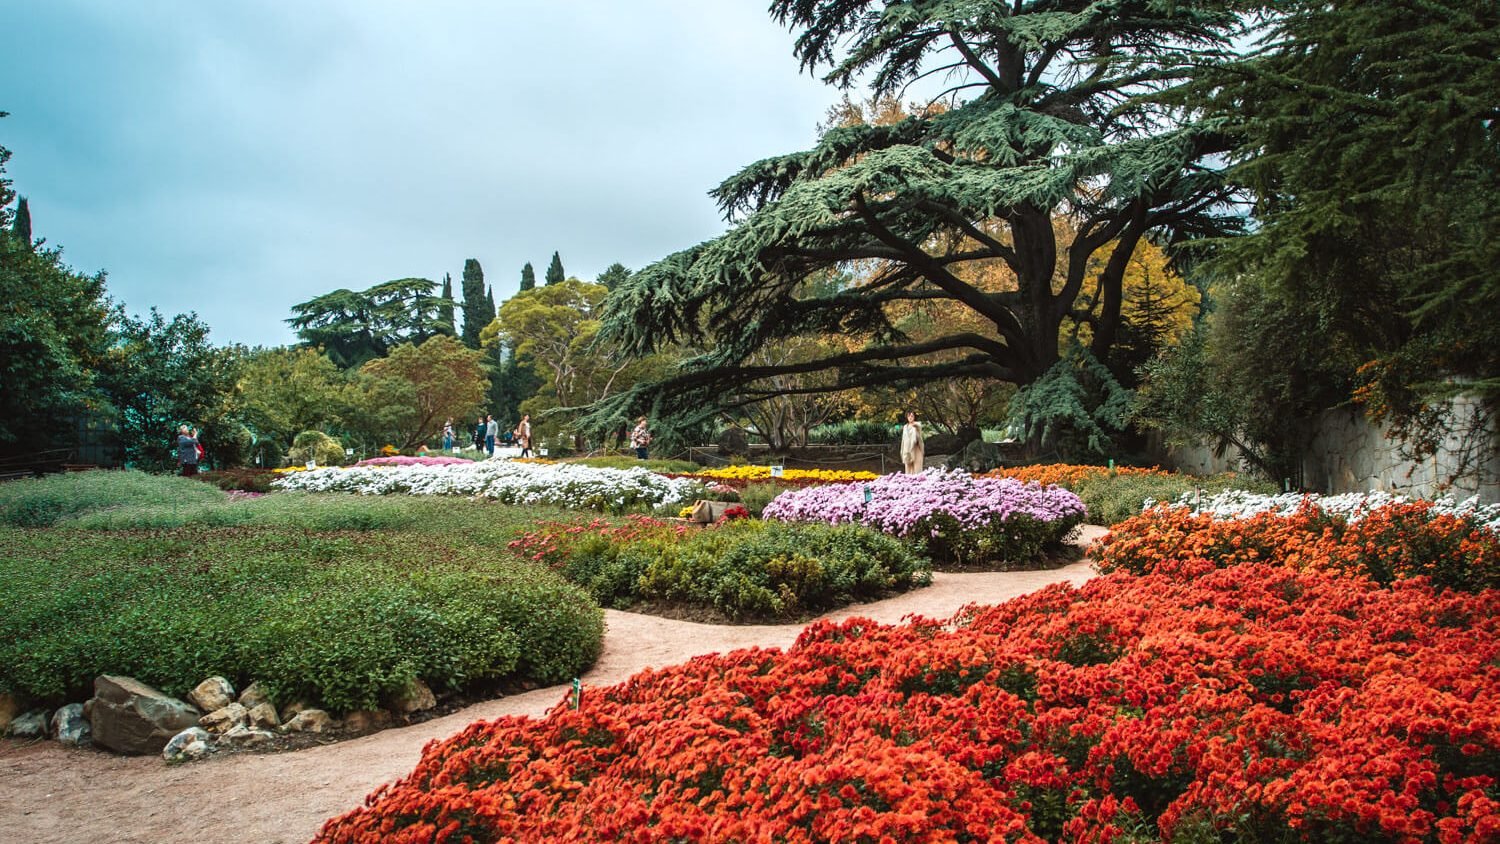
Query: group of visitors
[[487, 435]]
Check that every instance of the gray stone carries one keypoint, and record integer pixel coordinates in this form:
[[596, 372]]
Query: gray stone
[[291, 710], [131, 717], [31, 725], [264, 715], [243, 736], [70, 727], [365, 720], [254, 695], [188, 745], [415, 696], [10, 707], [309, 721], [212, 694], [224, 719]]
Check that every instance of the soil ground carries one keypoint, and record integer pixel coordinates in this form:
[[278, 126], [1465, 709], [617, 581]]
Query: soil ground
[[49, 793]]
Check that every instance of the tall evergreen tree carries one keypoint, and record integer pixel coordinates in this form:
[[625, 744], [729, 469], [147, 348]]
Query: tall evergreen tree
[[489, 306], [614, 275], [477, 313], [21, 225], [446, 308], [528, 278], [555, 272]]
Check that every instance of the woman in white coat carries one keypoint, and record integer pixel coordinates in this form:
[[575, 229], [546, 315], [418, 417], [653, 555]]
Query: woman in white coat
[[912, 449]]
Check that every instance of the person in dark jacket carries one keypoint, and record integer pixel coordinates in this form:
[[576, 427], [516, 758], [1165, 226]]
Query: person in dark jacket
[[187, 450]]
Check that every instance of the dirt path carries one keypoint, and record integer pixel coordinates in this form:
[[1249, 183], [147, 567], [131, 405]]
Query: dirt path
[[52, 794]]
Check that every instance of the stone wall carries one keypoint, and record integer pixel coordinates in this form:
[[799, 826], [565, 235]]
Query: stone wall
[[1351, 454]]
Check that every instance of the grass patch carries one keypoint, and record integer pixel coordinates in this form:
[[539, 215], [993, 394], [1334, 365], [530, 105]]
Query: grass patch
[[337, 600], [1114, 498], [41, 502], [621, 461]]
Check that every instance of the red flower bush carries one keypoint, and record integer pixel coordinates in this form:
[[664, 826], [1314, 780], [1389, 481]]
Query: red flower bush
[[1387, 543], [1254, 703]]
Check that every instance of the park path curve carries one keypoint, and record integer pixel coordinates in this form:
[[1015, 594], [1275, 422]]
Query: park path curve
[[49, 793]]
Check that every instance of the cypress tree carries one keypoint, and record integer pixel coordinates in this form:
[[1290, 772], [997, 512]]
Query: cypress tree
[[555, 270], [445, 310], [613, 276], [489, 304], [475, 317], [21, 225], [528, 278]]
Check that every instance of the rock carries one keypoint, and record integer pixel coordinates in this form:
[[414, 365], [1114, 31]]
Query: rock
[[291, 710], [188, 745], [212, 694], [131, 717], [31, 725], [70, 727], [308, 721], [243, 736], [264, 715], [225, 719], [415, 696], [365, 720], [10, 707], [254, 695]]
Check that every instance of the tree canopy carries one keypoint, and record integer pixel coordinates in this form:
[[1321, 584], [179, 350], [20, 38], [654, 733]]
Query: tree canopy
[[417, 388], [357, 326], [1049, 113], [477, 310], [555, 274]]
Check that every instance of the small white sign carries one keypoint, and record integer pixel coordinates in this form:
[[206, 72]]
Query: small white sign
[[455, 449], [348, 452], [312, 464], [776, 471], [542, 453]]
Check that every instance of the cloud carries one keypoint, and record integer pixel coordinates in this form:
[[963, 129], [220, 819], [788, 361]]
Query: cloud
[[235, 159]]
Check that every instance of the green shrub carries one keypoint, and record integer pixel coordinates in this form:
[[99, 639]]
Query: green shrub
[[854, 432], [1114, 498], [756, 496], [244, 480], [39, 502], [315, 445], [297, 594], [746, 568]]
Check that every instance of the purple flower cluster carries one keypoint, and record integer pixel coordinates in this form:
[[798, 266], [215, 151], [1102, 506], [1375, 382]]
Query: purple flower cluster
[[402, 460], [906, 505]]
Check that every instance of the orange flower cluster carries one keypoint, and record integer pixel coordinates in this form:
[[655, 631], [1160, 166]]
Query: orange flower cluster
[[552, 541], [1387, 543], [1067, 475], [1258, 703]]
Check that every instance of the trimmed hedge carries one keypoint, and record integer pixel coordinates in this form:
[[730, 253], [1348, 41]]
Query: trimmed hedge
[[40, 502], [744, 569]]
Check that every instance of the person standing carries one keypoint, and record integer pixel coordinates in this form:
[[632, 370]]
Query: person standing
[[640, 438], [448, 435], [479, 429], [187, 450], [912, 448], [491, 431], [523, 435]]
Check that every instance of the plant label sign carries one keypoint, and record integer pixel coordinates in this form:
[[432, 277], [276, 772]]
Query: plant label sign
[[776, 471]]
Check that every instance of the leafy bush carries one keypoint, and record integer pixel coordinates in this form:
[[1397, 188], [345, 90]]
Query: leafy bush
[[1115, 494], [740, 568], [1254, 704], [317, 446], [244, 480], [755, 497], [337, 600], [854, 432], [39, 502], [1384, 544]]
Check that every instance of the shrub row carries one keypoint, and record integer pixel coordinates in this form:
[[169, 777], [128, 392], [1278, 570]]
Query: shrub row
[[744, 569], [1384, 544], [1255, 703], [1113, 495]]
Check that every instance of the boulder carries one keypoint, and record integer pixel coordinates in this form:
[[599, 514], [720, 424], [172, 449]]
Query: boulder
[[224, 719], [365, 720], [10, 707], [291, 710], [309, 721], [243, 736], [188, 745], [129, 716], [70, 727], [30, 725], [254, 695], [263, 715], [212, 694], [415, 696]]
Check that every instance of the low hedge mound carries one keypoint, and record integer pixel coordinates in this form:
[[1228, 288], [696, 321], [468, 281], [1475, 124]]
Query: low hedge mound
[[335, 600], [1113, 495], [744, 568], [1254, 703], [40, 502]]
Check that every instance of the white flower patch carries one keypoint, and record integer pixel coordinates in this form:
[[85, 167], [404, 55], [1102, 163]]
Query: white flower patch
[[1238, 504], [558, 484]]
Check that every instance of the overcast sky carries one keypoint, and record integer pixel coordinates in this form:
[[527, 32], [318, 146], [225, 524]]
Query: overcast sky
[[235, 158]]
